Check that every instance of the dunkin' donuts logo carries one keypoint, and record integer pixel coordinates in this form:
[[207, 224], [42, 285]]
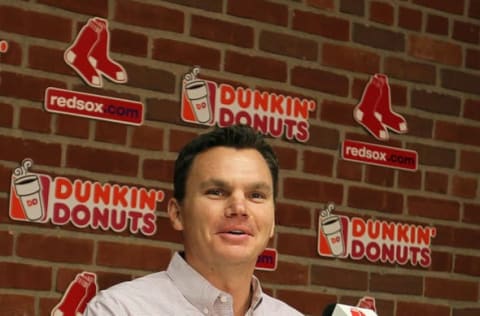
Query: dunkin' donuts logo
[[39, 198], [374, 240], [206, 103]]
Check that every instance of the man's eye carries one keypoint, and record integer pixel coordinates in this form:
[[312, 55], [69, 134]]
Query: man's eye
[[216, 192], [258, 196]]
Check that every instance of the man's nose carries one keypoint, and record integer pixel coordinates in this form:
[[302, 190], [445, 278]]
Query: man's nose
[[237, 205]]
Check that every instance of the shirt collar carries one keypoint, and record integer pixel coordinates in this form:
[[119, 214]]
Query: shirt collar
[[197, 290]]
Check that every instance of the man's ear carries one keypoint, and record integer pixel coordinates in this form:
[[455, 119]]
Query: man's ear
[[175, 215]]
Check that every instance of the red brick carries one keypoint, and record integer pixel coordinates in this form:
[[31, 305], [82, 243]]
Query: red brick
[[186, 53], [322, 4], [471, 213], [409, 308], [437, 24], [256, 66], [221, 31], [409, 70], [396, 284], [302, 300], [379, 176], [16, 305], [317, 163], [467, 265], [466, 32], [459, 311], [288, 45], [209, 5], [370, 199], [260, 10], [312, 190], [26, 87], [35, 24], [144, 77], [14, 54], [466, 238], [337, 112], [469, 161], [127, 42], [451, 289], [163, 110], [433, 208], [464, 187], [35, 120], [460, 81], [73, 126], [109, 132], [474, 12], [350, 279], [410, 19], [436, 182], [320, 80], [455, 7], [435, 102], [350, 58], [165, 231], [409, 180], [287, 157], [320, 24], [41, 153], [108, 279], [434, 156], [292, 215], [378, 38], [132, 256], [89, 7], [349, 170], [55, 248], [286, 273], [106, 161], [419, 126], [381, 12], [356, 7], [47, 59], [6, 243], [25, 276], [46, 305], [432, 49], [460, 134], [473, 59], [157, 169], [178, 139], [6, 119], [147, 15], [288, 245], [441, 261], [147, 137]]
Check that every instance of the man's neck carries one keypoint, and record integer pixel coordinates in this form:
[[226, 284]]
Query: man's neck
[[235, 280]]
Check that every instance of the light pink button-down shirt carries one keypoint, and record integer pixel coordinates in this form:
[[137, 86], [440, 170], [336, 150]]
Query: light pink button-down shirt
[[179, 291]]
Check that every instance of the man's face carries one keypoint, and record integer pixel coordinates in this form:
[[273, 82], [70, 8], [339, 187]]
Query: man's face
[[227, 215]]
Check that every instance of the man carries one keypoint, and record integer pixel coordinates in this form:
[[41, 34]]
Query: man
[[225, 184]]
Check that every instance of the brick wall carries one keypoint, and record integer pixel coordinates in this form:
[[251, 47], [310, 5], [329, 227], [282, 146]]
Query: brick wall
[[320, 49]]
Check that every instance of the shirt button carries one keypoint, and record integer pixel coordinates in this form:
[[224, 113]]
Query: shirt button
[[205, 311], [223, 299]]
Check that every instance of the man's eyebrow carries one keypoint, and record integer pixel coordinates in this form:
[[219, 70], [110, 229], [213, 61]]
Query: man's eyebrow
[[213, 182]]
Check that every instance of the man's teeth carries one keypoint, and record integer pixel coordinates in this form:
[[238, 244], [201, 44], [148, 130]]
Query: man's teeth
[[236, 232]]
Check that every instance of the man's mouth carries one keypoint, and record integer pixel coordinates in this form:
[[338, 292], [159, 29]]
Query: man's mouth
[[237, 232]]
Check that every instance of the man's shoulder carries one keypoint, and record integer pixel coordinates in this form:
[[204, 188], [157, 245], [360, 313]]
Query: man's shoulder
[[273, 305], [144, 282]]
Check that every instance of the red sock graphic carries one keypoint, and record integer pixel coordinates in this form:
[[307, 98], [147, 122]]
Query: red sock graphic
[[76, 56], [91, 292], [72, 297], [389, 118], [364, 112], [99, 56]]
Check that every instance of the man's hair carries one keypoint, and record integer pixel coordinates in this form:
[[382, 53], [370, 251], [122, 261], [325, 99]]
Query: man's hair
[[235, 136]]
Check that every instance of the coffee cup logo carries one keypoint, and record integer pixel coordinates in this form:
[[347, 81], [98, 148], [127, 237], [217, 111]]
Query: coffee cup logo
[[332, 229], [197, 94], [28, 188]]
